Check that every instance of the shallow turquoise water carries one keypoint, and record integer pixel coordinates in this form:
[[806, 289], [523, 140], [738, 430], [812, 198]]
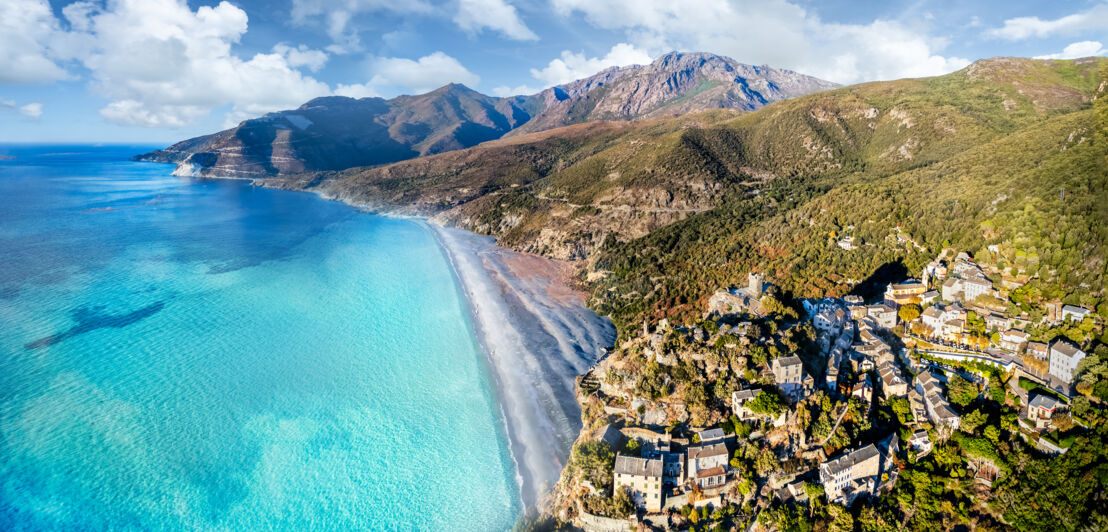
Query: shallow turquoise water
[[181, 355]]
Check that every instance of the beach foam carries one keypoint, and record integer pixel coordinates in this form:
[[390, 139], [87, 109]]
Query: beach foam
[[537, 340]]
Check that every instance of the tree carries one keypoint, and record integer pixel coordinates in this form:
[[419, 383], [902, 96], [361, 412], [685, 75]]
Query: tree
[[766, 403], [593, 461], [972, 420], [1061, 421], [622, 504], [962, 392], [992, 433], [909, 312], [841, 520]]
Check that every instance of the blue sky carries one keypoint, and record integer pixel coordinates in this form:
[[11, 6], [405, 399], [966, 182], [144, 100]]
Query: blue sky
[[164, 70]]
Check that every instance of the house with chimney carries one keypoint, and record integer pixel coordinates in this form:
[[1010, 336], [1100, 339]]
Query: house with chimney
[[708, 465], [643, 478], [739, 401]]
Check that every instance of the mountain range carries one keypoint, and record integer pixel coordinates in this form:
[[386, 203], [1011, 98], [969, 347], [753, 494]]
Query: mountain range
[[336, 133]]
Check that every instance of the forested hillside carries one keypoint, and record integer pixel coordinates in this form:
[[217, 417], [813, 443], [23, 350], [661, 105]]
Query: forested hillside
[[1006, 153]]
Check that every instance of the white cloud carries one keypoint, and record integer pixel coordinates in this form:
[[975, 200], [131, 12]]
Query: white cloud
[[33, 110], [302, 56], [158, 62], [573, 66], [336, 16], [775, 32], [30, 110], [1015, 29], [1076, 50], [427, 73], [356, 90], [27, 28], [497, 15], [504, 90]]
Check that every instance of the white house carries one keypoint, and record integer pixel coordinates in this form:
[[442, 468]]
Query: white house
[[708, 465], [1072, 312], [1064, 358]]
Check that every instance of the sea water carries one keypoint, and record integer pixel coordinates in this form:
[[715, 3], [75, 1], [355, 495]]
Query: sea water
[[184, 355]]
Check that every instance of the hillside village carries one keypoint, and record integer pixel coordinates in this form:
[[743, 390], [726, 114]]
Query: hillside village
[[769, 406]]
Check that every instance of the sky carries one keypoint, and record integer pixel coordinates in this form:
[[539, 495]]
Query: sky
[[158, 71]]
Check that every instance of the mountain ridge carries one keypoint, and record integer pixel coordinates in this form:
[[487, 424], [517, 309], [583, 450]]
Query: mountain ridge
[[335, 133]]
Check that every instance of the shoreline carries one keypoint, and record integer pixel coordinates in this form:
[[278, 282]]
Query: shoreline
[[537, 336], [536, 341]]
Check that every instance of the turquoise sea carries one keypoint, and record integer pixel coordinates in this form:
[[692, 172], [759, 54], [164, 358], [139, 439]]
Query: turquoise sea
[[182, 355]]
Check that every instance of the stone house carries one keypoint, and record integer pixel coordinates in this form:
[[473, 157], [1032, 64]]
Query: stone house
[[643, 478]]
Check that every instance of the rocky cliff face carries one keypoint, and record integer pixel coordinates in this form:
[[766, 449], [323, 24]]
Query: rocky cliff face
[[674, 84], [336, 133]]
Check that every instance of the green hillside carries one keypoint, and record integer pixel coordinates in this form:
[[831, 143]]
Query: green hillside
[[665, 212]]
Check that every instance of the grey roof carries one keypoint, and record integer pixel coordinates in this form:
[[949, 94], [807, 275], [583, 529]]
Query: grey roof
[[710, 435], [850, 459], [642, 467], [1066, 349], [1075, 309], [745, 395], [705, 451], [1043, 401], [942, 411], [787, 361]]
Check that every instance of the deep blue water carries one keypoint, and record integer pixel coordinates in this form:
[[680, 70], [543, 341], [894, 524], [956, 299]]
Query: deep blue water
[[211, 355]]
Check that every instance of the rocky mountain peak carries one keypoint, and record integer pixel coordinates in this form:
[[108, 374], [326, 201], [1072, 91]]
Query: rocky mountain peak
[[336, 132]]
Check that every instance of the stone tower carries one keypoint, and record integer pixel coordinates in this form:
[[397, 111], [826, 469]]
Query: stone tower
[[754, 284]]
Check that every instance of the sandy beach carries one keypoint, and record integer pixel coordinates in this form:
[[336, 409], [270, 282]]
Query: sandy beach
[[538, 336]]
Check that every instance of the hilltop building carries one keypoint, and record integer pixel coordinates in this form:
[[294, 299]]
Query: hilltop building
[[788, 373], [643, 478], [857, 472], [738, 300], [910, 291]]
